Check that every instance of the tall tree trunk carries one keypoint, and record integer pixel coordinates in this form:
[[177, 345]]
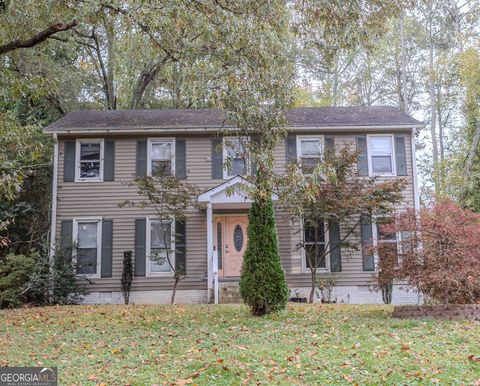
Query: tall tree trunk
[[147, 76], [110, 85], [433, 98], [403, 66], [174, 289], [472, 152], [312, 289], [441, 141], [335, 83]]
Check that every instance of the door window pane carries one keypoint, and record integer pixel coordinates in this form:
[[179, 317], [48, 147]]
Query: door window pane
[[219, 244]]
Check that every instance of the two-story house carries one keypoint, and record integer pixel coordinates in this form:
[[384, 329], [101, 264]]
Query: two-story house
[[99, 153]]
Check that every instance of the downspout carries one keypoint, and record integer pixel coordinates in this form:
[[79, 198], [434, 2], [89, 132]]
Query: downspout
[[416, 193], [53, 220]]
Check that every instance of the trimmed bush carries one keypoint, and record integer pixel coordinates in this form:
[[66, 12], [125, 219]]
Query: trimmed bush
[[262, 284], [15, 271]]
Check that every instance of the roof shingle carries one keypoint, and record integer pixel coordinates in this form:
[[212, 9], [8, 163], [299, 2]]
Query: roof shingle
[[125, 120]]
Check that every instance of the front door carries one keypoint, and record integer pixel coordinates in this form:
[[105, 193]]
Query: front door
[[231, 243]]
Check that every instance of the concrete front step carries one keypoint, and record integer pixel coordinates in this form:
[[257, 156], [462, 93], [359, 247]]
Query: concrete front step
[[230, 294]]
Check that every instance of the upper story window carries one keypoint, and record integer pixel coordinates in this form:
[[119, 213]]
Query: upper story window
[[314, 241], [381, 155], [310, 151], [89, 160], [160, 241], [87, 237], [234, 157], [161, 157]]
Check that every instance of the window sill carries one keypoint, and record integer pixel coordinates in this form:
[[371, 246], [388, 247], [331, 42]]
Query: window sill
[[79, 276], [160, 274], [319, 270], [382, 175], [89, 180]]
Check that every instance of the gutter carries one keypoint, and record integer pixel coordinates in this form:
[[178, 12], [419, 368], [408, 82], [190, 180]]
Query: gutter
[[53, 220], [196, 129]]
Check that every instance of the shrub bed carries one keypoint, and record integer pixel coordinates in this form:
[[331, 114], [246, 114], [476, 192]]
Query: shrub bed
[[442, 311]]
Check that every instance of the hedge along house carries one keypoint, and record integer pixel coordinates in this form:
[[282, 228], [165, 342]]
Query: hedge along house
[[98, 154]]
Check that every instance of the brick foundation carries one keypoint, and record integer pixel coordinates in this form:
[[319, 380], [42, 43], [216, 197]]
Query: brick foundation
[[447, 311]]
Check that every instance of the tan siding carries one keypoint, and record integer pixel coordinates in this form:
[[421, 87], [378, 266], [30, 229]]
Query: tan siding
[[85, 199]]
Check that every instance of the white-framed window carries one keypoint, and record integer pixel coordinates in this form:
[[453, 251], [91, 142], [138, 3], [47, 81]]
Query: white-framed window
[[161, 156], [235, 157], [160, 241], [87, 237], [89, 160], [315, 240], [381, 235], [310, 151], [381, 155]]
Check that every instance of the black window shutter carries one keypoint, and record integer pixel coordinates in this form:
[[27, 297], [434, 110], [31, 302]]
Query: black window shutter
[[109, 161], [66, 239], [291, 148], [141, 158], [180, 247], [363, 156], [140, 246], [367, 242], [335, 252], [69, 161], [180, 159], [217, 158], [329, 147], [400, 155], [107, 240]]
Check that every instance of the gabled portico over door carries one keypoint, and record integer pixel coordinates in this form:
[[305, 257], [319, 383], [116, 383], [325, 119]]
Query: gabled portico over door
[[232, 195]]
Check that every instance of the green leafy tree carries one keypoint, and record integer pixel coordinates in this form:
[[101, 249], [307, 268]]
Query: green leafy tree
[[262, 282], [170, 198], [333, 193]]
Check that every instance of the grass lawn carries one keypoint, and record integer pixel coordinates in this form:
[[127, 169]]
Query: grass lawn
[[224, 345]]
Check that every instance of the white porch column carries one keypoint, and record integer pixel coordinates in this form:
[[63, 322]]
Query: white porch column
[[210, 248], [215, 276]]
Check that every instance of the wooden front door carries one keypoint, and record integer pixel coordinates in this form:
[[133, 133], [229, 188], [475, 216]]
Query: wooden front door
[[231, 241]]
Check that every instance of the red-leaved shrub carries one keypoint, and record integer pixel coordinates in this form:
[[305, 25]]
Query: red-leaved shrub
[[439, 253]]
